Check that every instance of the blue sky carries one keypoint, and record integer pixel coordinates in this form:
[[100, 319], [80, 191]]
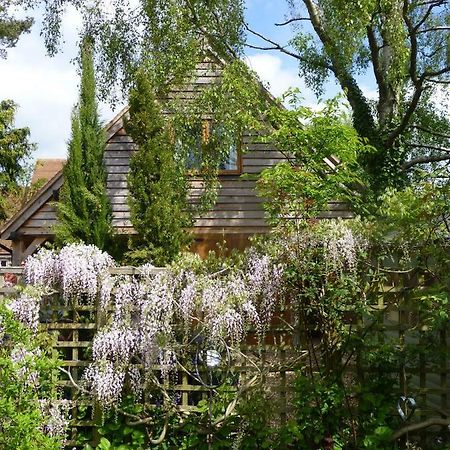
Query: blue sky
[[47, 88]]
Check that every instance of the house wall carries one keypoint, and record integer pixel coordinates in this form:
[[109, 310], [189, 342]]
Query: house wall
[[236, 216], [238, 209]]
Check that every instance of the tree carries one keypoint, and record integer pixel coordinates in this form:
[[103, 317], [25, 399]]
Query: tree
[[403, 42], [15, 149], [84, 212], [157, 181], [10, 27]]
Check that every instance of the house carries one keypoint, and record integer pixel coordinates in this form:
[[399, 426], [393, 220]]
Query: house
[[5, 253], [237, 214]]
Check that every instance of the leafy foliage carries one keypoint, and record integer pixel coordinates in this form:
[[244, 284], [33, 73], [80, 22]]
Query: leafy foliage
[[404, 45], [10, 27], [323, 152], [157, 182], [84, 212], [15, 149], [28, 374]]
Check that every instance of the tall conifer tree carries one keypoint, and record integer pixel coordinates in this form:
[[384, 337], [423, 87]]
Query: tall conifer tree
[[157, 181], [84, 212]]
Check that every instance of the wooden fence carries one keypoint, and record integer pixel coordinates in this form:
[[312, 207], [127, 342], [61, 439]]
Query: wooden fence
[[77, 324]]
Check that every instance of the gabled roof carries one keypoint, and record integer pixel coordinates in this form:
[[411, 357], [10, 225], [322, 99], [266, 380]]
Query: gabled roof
[[5, 247], [40, 198], [45, 169], [46, 192]]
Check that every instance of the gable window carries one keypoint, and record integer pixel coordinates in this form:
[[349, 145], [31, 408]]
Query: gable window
[[229, 164]]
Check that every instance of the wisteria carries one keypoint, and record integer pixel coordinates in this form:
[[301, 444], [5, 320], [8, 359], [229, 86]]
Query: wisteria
[[57, 416], [341, 245], [40, 269], [24, 361], [106, 382], [25, 309], [78, 271], [115, 344], [150, 317]]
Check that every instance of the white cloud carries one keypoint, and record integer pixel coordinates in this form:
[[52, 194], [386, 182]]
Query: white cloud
[[279, 78], [46, 89], [371, 93]]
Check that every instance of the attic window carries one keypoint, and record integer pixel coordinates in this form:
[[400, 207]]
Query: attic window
[[230, 164]]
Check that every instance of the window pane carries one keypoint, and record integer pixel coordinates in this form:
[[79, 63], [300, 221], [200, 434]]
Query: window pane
[[194, 158], [231, 162]]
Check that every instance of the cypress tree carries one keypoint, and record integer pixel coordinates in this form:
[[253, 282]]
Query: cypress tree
[[84, 212], [157, 181]]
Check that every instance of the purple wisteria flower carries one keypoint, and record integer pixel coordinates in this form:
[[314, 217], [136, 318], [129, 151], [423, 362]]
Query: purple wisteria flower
[[25, 309], [106, 382]]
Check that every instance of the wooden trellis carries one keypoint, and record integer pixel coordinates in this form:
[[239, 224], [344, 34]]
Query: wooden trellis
[[76, 325]]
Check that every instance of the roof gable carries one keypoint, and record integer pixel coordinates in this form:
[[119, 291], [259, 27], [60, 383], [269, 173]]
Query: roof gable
[[46, 169]]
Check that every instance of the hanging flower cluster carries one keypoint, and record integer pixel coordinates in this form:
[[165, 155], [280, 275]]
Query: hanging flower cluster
[[25, 309], [341, 246], [78, 271], [24, 361], [152, 318], [57, 416]]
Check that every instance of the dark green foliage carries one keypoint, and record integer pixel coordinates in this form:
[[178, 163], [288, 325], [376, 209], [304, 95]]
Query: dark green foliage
[[10, 27], [157, 181], [15, 149], [21, 418], [84, 211]]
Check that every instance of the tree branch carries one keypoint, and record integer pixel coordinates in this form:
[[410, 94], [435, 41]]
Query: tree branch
[[294, 19], [434, 133], [427, 13], [408, 113], [276, 46], [445, 69], [413, 41], [431, 147], [362, 116], [427, 30], [420, 426], [424, 160], [438, 81]]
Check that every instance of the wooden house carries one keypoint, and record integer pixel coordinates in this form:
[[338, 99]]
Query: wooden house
[[237, 215], [5, 253]]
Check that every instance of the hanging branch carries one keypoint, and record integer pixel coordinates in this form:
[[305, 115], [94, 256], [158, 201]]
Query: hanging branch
[[420, 426]]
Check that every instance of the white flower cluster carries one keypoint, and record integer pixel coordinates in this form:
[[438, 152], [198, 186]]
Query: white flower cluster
[[106, 381], [264, 279], [151, 316], [24, 362], [341, 246], [57, 417], [25, 309], [115, 344], [40, 269], [78, 271]]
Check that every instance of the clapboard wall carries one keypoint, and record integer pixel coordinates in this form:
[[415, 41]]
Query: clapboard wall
[[238, 212]]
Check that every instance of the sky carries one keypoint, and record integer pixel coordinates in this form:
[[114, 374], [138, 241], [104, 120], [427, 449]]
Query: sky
[[46, 89]]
